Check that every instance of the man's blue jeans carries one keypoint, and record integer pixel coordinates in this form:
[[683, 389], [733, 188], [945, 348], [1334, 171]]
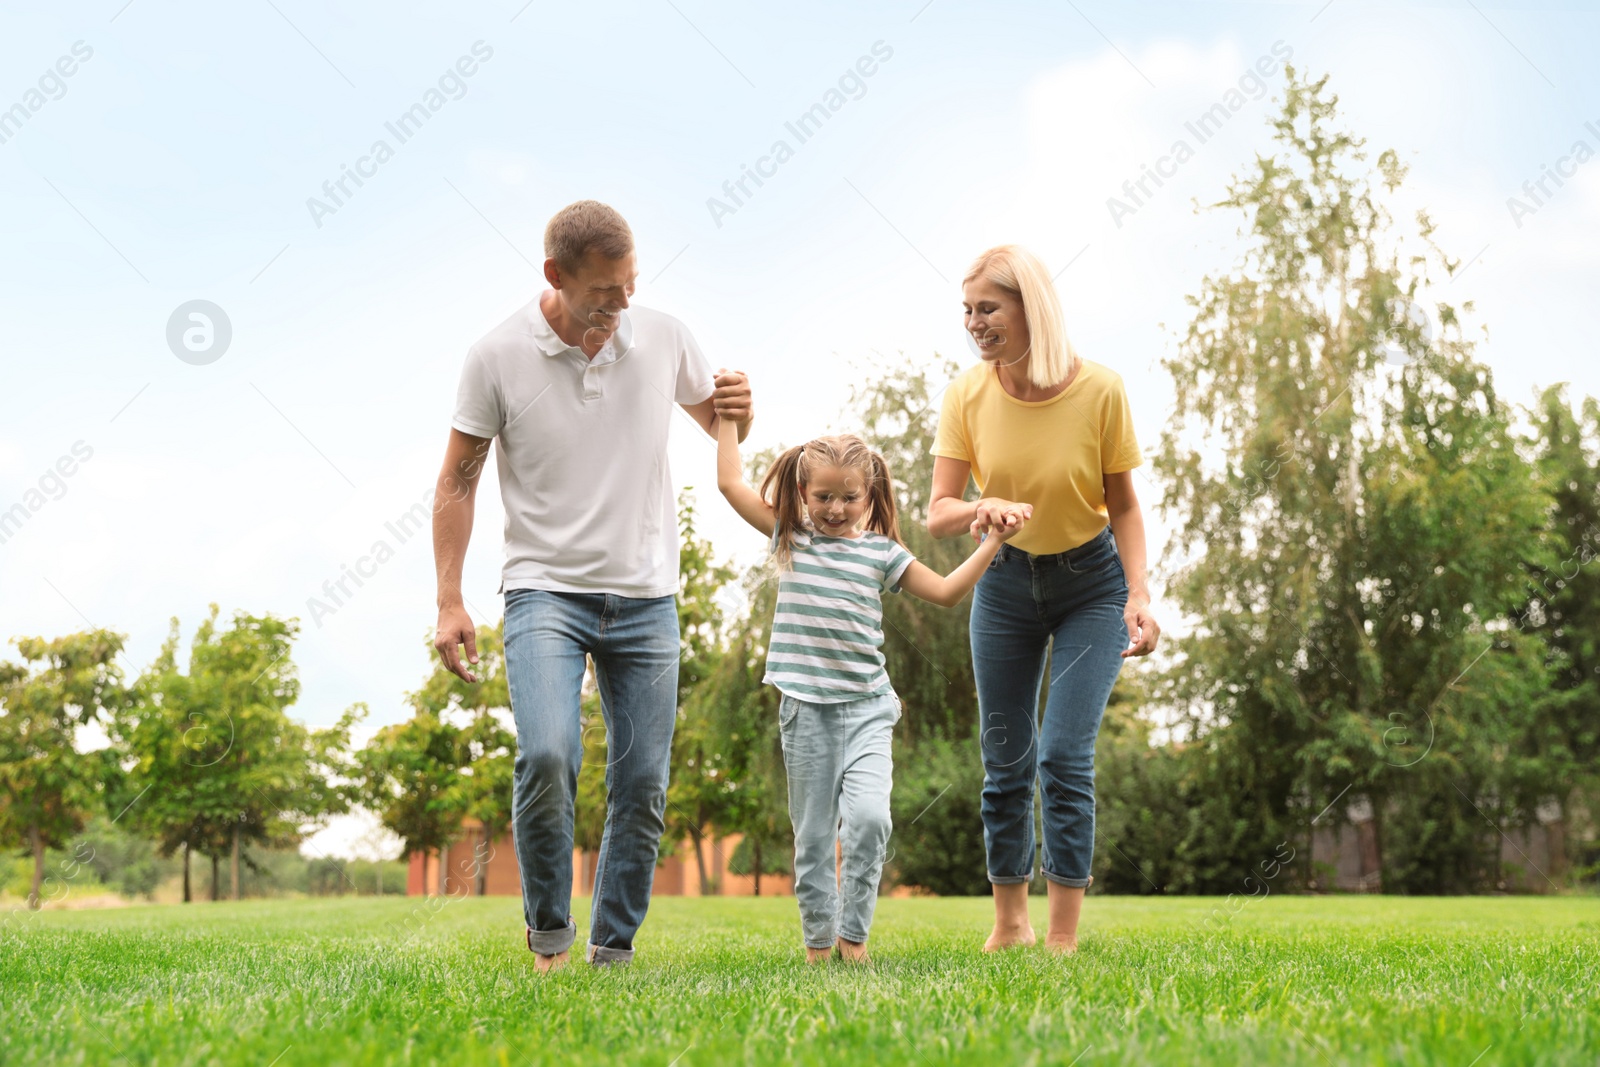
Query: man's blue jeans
[[1067, 605], [634, 644]]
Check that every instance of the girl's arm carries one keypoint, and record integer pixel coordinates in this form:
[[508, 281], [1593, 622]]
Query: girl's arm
[[947, 591], [730, 479]]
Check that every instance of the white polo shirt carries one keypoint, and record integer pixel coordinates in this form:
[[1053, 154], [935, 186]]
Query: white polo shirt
[[582, 449]]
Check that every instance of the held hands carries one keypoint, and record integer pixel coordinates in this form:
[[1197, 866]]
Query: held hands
[[731, 398], [1002, 518]]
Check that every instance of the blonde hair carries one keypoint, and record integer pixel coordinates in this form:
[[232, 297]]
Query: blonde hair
[[585, 225], [1021, 273], [783, 487]]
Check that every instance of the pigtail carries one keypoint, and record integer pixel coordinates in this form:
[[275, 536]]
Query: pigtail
[[885, 517], [781, 490]]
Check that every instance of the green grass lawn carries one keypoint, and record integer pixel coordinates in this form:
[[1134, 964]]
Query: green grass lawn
[[1286, 980]]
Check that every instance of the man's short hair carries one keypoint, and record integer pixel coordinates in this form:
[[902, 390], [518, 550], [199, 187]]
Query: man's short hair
[[586, 226]]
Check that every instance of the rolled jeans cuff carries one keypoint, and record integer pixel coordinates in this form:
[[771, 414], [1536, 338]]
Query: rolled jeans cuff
[[551, 942], [600, 956], [1009, 879], [1070, 883]]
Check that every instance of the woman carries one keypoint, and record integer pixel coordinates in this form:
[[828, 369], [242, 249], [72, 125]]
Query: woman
[[1048, 438]]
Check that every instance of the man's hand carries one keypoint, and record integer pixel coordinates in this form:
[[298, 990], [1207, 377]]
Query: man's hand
[[454, 630], [731, 400]]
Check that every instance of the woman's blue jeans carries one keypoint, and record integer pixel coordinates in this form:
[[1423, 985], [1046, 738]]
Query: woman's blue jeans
[[634, 644], [1067, 606]]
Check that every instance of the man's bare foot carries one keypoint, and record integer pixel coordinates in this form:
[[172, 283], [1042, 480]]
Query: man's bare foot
[[817, 955], [541, 962], [1061, 944], [852, 951], [1009, 937]]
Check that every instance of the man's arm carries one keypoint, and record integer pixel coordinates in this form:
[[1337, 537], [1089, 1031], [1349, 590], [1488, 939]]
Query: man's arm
[[730, 400], [453, 499]]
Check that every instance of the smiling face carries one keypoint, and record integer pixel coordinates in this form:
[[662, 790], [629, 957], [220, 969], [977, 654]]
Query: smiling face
[[995, 319], [597, 292], [836, 500]]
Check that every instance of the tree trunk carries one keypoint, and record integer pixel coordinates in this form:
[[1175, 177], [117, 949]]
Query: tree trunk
[[215, 880], [37, 841], [700, 863], [481, 862], [755, 861], [187, 899], [444, 869], [1556, 840], [233, 862]]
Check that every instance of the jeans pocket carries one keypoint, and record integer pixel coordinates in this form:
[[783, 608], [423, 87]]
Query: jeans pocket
[[788, 708], [899, 706], [1103, 555]]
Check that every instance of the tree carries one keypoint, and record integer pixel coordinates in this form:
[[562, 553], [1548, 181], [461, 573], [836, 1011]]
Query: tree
[[409, 775], [926, 650], [698, 781], [215, 764], [482, 788], [48, 789], [1561, 757], [1348, 494]]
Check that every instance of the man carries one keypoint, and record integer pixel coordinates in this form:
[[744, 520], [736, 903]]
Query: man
[[578, 388]]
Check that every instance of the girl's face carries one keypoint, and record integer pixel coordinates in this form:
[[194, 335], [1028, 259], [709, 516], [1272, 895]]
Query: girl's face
[[836, 499], [995, 319]]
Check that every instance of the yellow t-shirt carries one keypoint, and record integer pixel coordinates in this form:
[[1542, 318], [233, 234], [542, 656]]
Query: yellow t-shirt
[[1052, 453]]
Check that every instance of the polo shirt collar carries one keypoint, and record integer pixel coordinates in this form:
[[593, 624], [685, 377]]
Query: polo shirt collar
[[544, 335]]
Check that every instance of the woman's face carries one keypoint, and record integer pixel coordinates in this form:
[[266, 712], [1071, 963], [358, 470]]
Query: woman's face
[[995, 320]]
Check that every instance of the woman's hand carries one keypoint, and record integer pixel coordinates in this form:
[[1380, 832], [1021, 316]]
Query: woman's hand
[[1143, 630]]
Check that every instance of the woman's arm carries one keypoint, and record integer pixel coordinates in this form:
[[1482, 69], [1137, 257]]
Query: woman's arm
[[947, 591], [730, 480], [950, 515], [1127, 526]]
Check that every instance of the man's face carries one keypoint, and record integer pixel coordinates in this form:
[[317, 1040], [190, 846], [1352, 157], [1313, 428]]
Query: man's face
[[598, 290]]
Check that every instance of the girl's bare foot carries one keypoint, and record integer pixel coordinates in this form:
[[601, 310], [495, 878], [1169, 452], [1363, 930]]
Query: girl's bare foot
[[1061, 944], [852, 951], [817, 955], [541, 962]]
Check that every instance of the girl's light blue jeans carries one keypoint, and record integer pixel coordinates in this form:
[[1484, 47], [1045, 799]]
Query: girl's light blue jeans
[[840, 769], [1068, 607]]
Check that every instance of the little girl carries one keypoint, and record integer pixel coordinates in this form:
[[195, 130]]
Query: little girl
[[828, 506]]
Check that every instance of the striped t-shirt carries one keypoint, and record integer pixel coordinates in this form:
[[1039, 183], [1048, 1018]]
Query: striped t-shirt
[[827, 631]]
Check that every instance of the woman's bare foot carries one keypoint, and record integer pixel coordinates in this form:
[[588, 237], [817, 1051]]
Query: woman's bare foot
[[1009, 936], [1011, 925], [1066, 903], [852, 951], [817, 955], [1061, 944], [541, 962]]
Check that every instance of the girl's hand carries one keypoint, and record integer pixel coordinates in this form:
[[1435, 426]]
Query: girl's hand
[[999, 531], [1143, 630]]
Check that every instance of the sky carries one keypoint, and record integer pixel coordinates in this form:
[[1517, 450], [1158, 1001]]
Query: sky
[[159, 153]]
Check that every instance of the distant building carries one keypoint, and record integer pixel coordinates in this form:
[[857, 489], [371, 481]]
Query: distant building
[[678, 876]]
